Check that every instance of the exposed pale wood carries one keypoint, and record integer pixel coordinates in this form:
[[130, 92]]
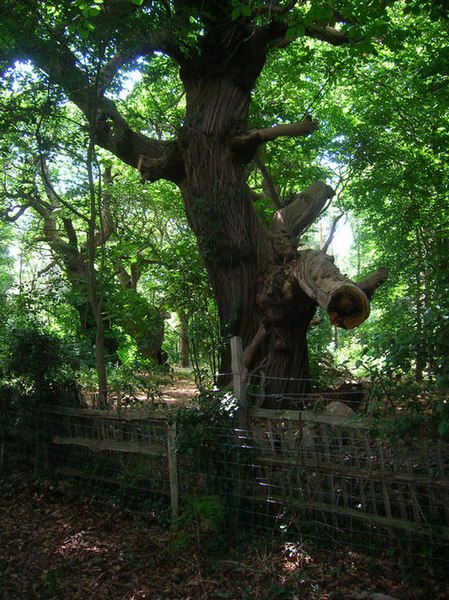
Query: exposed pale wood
[[386, 495], [297, 216], [239, 379], [356, 472], [297, 415], [345, 302], [160, 415], [254, 344]]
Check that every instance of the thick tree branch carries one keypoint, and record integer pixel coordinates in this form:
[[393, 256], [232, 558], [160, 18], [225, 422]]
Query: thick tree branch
[[346, 302], [112, 131], [70, 231], [114, 134], [371, 282], [295, 218], [260, 136]]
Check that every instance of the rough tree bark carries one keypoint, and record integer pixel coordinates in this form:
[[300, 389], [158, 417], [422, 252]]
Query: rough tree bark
[[266, 290]]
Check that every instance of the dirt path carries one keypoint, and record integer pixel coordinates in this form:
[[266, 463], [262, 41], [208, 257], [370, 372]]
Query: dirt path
[[180, 391]]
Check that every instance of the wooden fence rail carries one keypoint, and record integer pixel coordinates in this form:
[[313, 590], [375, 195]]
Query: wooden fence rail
[[297, 459], [302, 462]]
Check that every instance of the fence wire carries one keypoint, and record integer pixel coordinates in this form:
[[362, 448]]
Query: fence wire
[[290, 473]]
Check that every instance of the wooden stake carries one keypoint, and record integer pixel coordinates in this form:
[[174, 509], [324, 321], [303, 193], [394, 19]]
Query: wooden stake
[[239, 379], [173, 470]]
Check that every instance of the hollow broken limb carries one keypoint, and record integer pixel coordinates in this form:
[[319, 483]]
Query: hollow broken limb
[[345, 302]]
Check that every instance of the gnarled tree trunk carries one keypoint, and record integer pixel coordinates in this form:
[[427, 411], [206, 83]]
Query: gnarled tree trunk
[[266, 290]]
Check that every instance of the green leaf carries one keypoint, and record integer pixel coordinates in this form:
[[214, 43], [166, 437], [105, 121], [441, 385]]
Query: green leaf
[[295, 31], [137, 2], [92, 11], [246, 11], [236, 12]]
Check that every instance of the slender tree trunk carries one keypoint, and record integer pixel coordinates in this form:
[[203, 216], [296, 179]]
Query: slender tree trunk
[[184, 340], [96, 292]]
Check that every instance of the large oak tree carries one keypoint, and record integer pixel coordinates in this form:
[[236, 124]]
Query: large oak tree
[[266, 289]]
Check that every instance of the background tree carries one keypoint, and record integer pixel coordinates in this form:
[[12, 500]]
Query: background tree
[[398, 186], [49, 179]]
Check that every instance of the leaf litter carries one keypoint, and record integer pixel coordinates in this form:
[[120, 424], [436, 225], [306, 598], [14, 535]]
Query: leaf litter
[[58, 544]]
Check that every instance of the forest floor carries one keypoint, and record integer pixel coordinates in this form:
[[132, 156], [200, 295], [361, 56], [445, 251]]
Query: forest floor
[[57, 543], [180, 391]]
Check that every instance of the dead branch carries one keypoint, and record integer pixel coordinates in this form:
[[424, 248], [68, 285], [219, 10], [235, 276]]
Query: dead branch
[[371, 282], [259, 136], [331, 235], [268, 183], [295, 218], [345, 301]]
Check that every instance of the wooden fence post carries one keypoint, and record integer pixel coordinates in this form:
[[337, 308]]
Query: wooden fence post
[[239, 376], [173, 469]]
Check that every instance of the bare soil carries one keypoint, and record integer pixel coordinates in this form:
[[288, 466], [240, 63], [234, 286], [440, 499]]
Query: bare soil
[[179, 392]]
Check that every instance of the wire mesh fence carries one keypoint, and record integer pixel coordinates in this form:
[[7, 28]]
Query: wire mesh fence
[[298, 474]]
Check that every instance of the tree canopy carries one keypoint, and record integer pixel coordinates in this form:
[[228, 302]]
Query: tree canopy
[[241, 105]]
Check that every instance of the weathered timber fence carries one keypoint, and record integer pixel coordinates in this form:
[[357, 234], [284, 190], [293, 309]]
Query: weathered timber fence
[[148, 435], [319, 463], [293, 470], [296, 466]]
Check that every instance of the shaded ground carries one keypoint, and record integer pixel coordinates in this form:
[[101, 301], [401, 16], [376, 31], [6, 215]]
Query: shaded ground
[[180, 391], [56, 543]]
